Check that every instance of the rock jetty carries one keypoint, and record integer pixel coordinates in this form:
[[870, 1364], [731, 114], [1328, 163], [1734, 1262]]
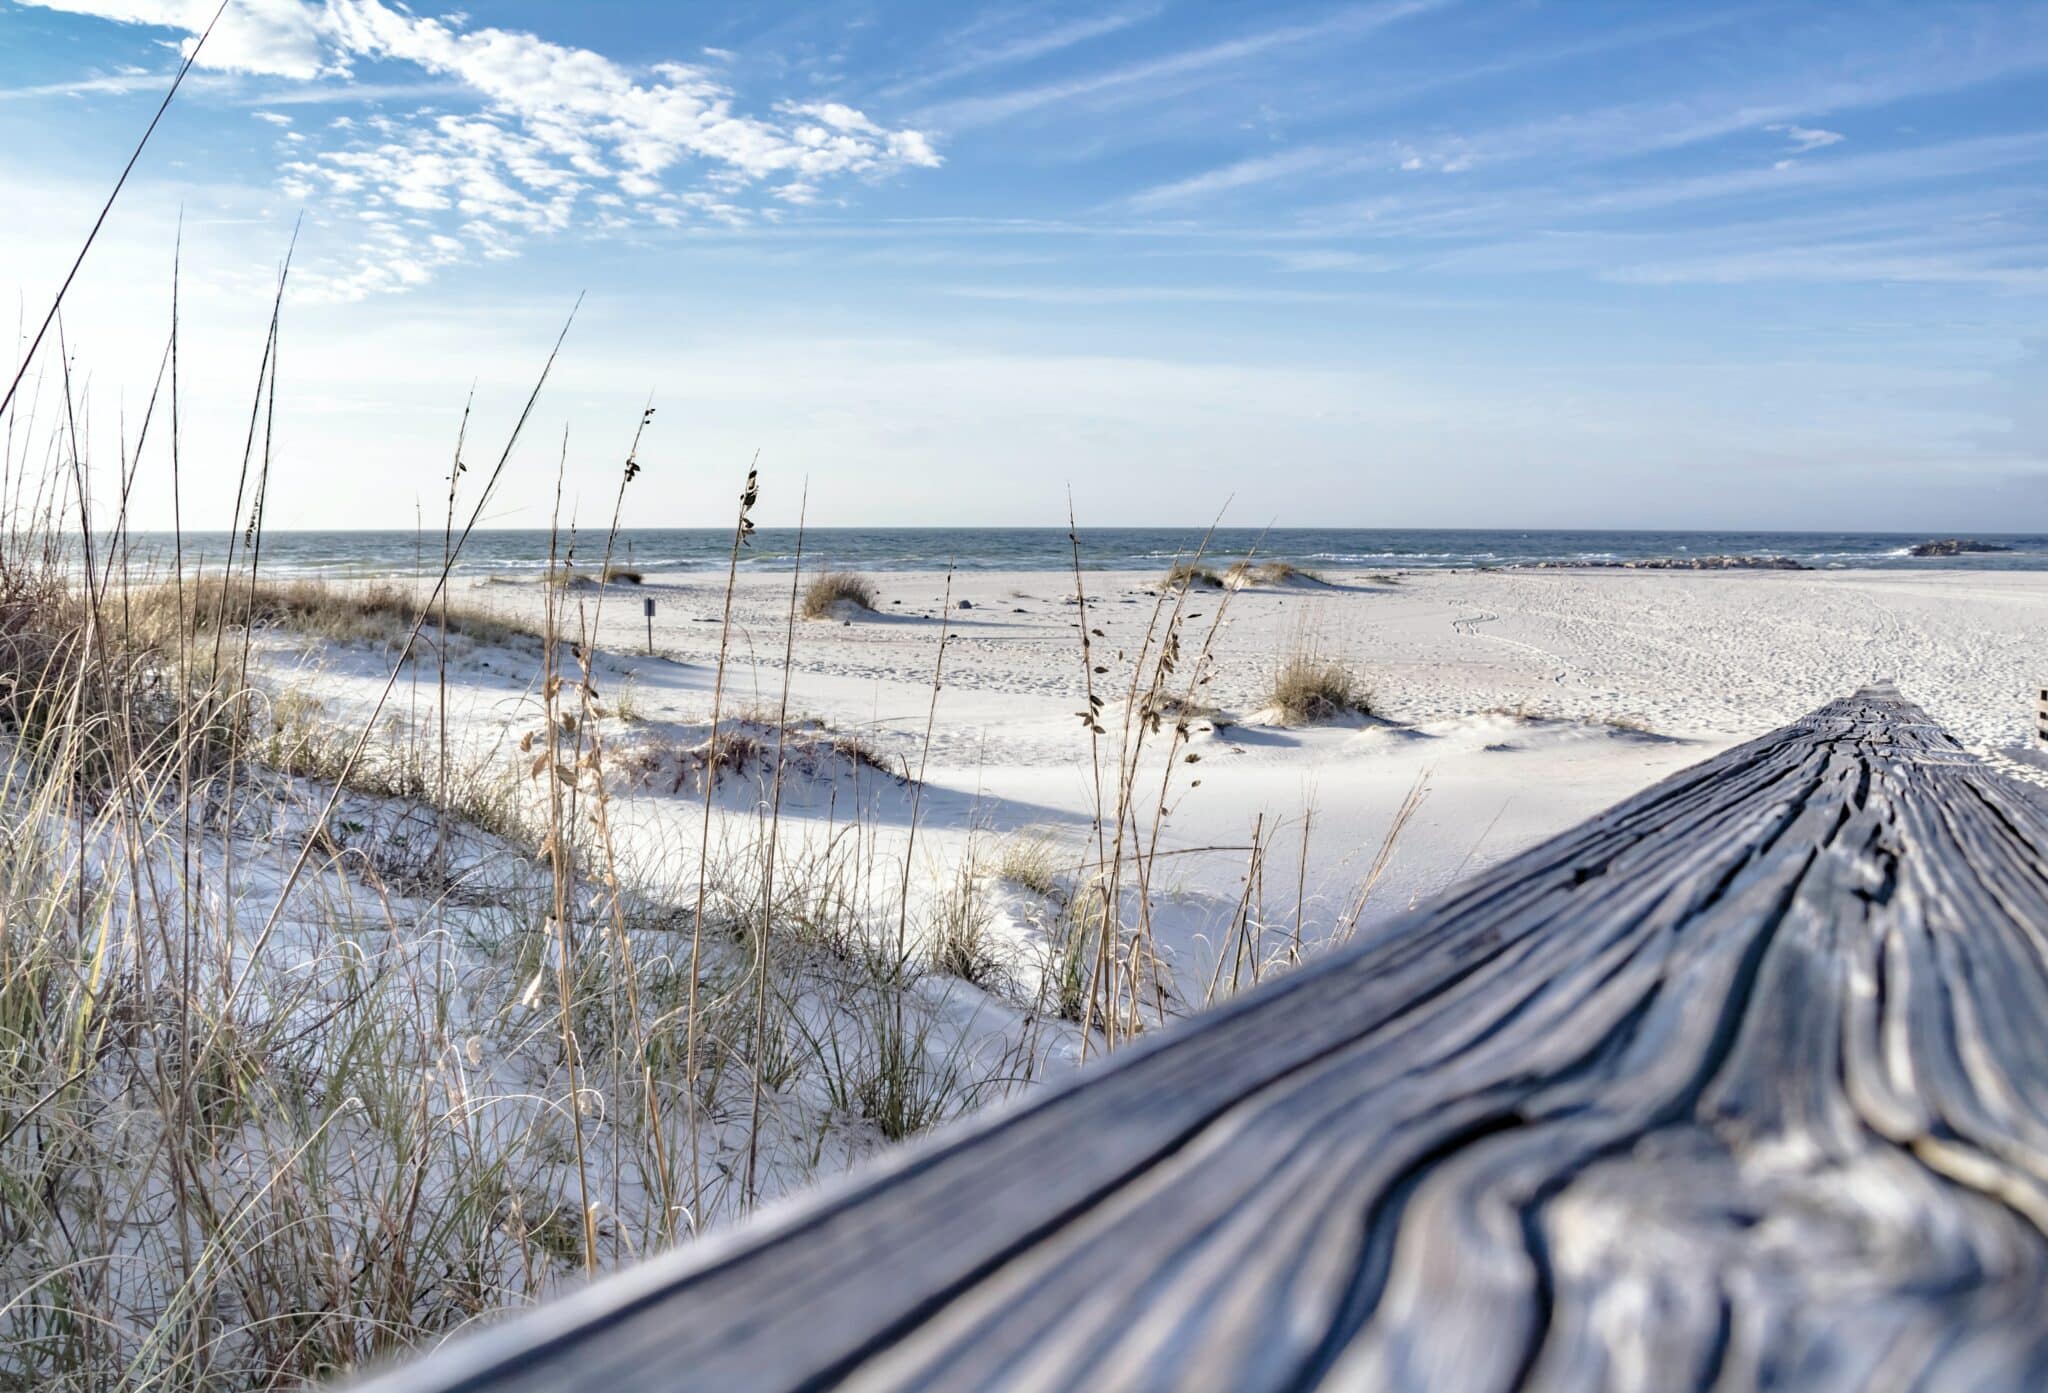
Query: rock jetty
[[1955, 546]]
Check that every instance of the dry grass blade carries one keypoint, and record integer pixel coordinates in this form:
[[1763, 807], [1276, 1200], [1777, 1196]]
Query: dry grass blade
[[57, 301]]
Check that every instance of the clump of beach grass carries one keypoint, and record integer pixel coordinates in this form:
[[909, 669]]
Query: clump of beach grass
[[567, 576], [626, 706], [1186, 575], [1029, 862], [963, 943], [754, 744], [835, 592], [376, 614], [1311, 690], [1247, 573]]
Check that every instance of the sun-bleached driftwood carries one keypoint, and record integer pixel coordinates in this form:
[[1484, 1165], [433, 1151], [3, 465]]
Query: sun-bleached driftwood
[[1742, 1084]]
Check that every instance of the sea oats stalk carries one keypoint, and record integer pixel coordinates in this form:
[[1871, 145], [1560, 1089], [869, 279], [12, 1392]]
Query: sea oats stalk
[[742, 536], [1090, 670], [623, 947], [1115, 975], [762, 945], [931, 716], [1347, 923], [1238, 940], [1200, 673]]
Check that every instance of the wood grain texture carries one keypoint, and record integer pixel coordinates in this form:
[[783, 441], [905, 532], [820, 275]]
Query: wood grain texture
[[1743, 1084]]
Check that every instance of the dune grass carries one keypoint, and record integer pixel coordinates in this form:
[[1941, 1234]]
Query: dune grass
[[1186, 575], [380, 613], [1248, 573], [832, 592], [1312, 690], [562, 575], [1031, 862], [251, 1136]]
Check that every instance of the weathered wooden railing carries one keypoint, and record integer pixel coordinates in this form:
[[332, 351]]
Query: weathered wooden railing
[[1742, 1084]]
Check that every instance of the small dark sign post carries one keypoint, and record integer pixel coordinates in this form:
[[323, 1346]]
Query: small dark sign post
[[647, 608]]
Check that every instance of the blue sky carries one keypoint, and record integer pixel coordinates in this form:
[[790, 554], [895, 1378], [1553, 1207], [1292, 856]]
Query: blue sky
[[1405, 263]]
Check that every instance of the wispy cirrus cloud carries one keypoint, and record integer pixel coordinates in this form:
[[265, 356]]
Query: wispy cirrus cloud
[[1074, 295], [103, 84], [2005, 48], [1132, 80], [1909, 263], [564, 134], [1492, 209], [1011, 39], [1260, 169]]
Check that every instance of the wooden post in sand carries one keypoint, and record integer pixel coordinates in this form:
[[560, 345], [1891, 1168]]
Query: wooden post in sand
[[2041, 711], [647, 608], [1739, 1085]]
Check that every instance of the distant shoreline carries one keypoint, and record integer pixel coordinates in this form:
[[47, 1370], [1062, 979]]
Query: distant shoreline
[[516, 551]]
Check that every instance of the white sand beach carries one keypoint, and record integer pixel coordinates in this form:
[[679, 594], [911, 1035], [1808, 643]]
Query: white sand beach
[[1527, 700], [1505, 707]]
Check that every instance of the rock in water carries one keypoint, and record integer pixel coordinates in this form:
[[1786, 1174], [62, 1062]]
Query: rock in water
[[1955, 546]]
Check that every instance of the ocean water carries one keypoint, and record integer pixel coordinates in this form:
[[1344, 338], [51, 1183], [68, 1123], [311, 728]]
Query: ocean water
[[513, 552]]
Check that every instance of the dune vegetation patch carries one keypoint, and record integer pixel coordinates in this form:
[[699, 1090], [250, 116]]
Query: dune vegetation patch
[[749, 747], [1312, 690], [1186, 575], [835, 594], [374, 614], [1031, 862], [1246, 574]]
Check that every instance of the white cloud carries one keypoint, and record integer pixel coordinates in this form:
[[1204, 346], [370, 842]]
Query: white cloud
[[275, 118], [559, 122], [1806, 138]]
